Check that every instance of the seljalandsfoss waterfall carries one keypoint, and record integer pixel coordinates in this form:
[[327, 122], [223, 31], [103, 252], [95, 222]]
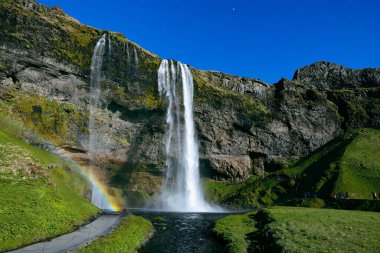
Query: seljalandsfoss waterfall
[[107, 147], [95, 138], [182, 190]]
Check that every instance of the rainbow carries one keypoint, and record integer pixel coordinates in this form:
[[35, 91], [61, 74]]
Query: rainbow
[[109, 202]]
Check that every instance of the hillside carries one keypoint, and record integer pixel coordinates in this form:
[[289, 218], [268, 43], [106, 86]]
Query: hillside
[[350, 163], [41, 196]]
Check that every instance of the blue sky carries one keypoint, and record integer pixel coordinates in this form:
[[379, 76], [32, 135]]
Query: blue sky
[[266, 39]]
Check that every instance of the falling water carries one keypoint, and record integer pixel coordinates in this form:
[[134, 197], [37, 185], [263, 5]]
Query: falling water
[[136, 57], [182, 190], [109, 44], [95, 141], [128, 56]]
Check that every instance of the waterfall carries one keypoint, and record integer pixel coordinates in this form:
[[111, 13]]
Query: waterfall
[[109, 44], [95, 138], [182, 189], [127, 49], [136, 56]]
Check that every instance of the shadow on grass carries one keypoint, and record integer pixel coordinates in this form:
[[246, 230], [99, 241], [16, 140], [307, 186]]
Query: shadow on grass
[[262, 239]]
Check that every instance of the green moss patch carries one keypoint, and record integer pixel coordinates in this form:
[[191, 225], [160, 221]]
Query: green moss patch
[[207, 91], [54, 120]]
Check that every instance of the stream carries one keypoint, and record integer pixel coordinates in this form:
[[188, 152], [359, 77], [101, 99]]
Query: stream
[[182, 232]]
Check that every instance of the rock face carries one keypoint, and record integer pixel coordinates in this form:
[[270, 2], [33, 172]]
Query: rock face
[[244, 125], [329, 76]]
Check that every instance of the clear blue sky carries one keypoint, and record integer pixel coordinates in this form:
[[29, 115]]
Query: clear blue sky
[[266, 39]]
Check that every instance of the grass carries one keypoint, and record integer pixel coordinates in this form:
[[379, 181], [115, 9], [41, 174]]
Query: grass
[[234, 229], [40, 195], [360, 165], [350, 163], [296, 229], [217, 191], [253, 193], [324, 230], [130, 234]]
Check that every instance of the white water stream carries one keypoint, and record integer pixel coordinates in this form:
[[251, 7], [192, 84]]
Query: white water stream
[[182, 190], [95, 139]]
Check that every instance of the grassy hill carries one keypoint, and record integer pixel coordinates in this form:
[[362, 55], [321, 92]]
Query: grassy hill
[[41, 196], [350, 163]]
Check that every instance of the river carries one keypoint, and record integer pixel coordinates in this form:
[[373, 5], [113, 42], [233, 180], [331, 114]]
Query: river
[[182, 232]]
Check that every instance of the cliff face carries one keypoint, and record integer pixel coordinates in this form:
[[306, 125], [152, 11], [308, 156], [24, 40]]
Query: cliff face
[[244, 125], [330, 76]]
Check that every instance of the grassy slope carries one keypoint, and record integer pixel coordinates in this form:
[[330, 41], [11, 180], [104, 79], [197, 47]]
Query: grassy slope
[[130, 234], [234, 229], [39, 195], [349, 164], [324, 230], [360, 165], [253, 193]]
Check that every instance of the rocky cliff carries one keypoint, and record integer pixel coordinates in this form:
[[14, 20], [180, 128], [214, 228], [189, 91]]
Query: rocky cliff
[[244, 125]]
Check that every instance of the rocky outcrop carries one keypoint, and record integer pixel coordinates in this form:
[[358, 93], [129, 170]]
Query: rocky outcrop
[[244, 125], [295, 121], [328, 76]]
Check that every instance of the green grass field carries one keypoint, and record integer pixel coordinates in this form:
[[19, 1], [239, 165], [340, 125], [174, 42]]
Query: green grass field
[[298, 230], [128, 237], [234, 230], [40, 195], [324, 230]]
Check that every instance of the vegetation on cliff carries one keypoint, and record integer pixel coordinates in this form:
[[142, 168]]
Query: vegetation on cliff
[[211, 92], [59, 122]]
